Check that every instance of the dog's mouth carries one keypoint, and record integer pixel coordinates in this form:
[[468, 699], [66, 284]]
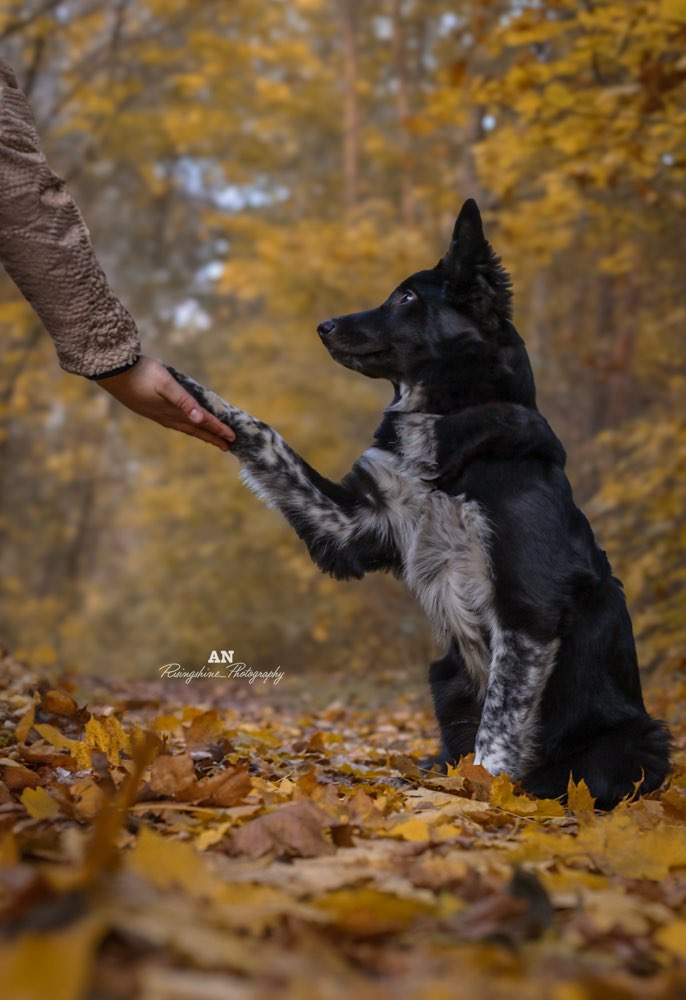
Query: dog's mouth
[[336, 352]]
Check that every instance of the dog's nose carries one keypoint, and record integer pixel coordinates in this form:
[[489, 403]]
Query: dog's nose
[[328, 326]]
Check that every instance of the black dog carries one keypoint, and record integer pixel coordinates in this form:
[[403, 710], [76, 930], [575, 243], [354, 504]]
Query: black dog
[[463, 495]]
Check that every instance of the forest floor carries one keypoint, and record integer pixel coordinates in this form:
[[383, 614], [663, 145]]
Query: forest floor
[[224, 841]]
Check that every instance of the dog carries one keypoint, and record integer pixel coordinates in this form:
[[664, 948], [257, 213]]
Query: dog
[[463, 496]]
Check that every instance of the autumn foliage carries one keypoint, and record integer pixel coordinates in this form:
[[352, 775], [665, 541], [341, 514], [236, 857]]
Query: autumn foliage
[[247, 170], [248, 846]]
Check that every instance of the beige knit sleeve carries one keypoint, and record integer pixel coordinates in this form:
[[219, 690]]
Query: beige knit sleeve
[[46, 249]]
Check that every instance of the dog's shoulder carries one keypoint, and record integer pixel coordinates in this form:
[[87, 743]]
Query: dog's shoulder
[[489, 434]]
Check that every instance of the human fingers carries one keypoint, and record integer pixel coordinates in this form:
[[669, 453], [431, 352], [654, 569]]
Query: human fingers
[[197, 415]]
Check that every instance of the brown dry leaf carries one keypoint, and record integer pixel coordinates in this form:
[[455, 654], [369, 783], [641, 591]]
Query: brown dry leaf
[[476, 778], [407, 767], [172, 775], [204, 729], [59, 703], [293, 829], [674, 801], [225, 788], [364, 811], [42, 754], [519, 913], [25, 724], [17, 777], [88, 798]]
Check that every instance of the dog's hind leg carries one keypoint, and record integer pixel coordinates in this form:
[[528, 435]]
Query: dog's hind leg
[[457, 707], [611, 762]]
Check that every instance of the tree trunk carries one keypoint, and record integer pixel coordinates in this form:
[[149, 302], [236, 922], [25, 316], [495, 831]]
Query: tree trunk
[[351, 112], [621, 394], [605, 302], [402, 104]]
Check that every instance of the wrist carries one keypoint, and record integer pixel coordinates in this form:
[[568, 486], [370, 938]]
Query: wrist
[[115, 371]]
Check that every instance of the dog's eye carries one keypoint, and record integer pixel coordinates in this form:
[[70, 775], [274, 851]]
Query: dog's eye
[[407, 296]]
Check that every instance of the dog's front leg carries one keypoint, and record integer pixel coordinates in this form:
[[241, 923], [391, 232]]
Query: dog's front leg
[[519, 670], [342, 524]]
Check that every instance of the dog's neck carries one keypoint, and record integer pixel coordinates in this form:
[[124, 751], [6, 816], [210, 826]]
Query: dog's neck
[[408, 399]]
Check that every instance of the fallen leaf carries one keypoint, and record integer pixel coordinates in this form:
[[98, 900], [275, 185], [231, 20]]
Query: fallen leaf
[[106, 735], [16, 776], [367, 912], [55, 964], [59, 703], [167, 863], [39, 803], [293, 829], [580, 802], [172, 774], [672, 937], [25, 724], [413, 829]]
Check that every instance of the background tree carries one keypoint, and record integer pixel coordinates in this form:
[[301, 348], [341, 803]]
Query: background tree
[[247, 170]]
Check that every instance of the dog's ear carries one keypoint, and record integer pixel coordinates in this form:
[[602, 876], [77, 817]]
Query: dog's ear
[[473, 268], [468, 244]]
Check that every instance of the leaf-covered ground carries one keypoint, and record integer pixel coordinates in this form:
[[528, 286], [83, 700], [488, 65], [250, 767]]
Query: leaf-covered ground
[[194, 842]]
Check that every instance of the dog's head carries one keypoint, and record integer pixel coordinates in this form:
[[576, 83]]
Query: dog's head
[[446, 332]]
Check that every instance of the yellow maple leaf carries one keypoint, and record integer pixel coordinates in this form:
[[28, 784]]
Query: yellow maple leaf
[[39, 804], [55, 964], [672, 937], [673, 10], [413, 829], [166, 862], [503, 796], [579, 799], [614, 844], [370, 911], [106, 735]]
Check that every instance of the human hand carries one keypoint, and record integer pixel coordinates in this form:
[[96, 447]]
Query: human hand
[[149, 390]]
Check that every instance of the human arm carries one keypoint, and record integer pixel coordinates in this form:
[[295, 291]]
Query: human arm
[[46, 249]]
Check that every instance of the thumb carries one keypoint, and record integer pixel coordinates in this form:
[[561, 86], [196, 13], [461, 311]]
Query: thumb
[[178, 397]]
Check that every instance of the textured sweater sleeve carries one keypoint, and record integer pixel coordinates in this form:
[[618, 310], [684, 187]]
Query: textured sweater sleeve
[[46, 249]]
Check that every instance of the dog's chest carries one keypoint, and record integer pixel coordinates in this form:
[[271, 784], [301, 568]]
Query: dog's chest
[[446, 566], [443, 543]]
